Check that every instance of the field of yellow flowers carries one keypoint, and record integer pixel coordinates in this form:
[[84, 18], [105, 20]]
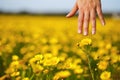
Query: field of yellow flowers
[[49, 48]]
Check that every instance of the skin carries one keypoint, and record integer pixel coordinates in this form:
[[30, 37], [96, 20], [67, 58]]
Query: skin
[[87, 13]]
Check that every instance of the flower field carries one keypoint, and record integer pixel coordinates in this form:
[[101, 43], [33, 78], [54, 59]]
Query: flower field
[[49, 48]]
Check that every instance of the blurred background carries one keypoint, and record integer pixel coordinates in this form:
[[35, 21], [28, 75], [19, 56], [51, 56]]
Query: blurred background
[[51, 6]]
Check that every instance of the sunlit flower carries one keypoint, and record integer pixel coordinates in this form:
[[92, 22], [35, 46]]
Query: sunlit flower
[[51, 61], [15, 64], [53, 40], [61, 74], [15, 57], [105, 75], [10, 70], [95, 56], [85, 42], [63, 56], [32, 61], [114, 58], [46, 71], [108, 46], [15, 74], [78, 71], [102, 65], [102, 52], [39, 57], [37, 68], [26, 78], [106, 58]]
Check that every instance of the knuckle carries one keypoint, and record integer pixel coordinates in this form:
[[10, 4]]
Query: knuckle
[[99, 12], [80, 20], [81, 9], [86, 26], [92, 6], [93, 26], [93, 18], [79, 23], [99, 4], [86, 19]]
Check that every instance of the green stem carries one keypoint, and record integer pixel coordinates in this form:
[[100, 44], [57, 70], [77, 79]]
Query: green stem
[[89, 64], [31, 78], [23, 74]]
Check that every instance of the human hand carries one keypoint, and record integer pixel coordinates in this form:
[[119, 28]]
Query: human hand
[[87, 12]]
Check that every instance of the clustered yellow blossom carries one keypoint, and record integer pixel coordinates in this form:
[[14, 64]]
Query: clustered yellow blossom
[[85, 42], [38, 62], [14, 67], [61, 75], [35, 63], [50, 60]]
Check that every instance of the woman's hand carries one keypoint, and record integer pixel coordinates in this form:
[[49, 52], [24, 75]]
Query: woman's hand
[[87, 12]]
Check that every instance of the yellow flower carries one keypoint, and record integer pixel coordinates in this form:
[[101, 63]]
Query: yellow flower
[[106, 57], [15, 64], [78, 71], [102, 52], [10, 70], [18, 78], [85, 42], [51, 61], [37, 68], [46, 71], [15, 57], [26, 78], [105, 75], [108, 46], [63, 56], [15, 74], [61, 74], [32, 61], [95, 56], [39, 57], [102, 65], [53, 40], [48, 55], [114, 58]]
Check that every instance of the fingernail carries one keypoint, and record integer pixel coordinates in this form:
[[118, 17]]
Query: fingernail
[[93, 32], [103, 23], [85, 33], [79, 31], [67, 15]]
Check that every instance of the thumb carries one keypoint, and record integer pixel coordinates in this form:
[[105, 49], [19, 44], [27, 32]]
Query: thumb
[[73, 11]]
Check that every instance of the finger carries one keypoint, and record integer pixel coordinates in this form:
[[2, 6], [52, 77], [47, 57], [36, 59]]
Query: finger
[[73, 11], [93, 20], [80, 22], [86, 22], [100, 15]]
